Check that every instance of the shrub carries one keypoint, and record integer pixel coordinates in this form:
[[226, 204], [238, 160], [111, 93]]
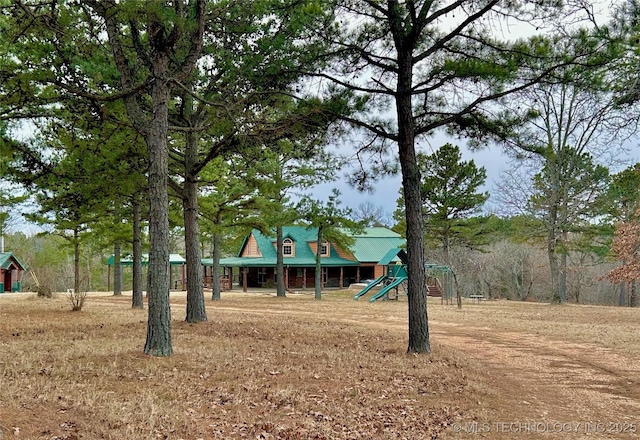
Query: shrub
[[77, 297]]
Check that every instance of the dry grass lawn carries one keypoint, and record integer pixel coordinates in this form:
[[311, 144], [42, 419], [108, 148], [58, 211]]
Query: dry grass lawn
[[273, 368]]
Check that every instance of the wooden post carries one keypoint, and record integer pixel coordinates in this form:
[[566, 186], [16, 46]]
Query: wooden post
[[183, 278], [358, 274], [244, 279], [341, 277], [286, 278], [304, 278]]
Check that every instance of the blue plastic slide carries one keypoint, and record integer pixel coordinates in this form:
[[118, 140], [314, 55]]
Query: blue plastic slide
[[384, 291], [370, 286]]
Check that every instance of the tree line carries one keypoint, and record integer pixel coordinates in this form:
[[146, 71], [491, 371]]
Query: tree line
[[211, 115]]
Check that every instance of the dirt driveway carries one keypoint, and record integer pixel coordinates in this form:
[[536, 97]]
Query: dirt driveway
[[548, 387]]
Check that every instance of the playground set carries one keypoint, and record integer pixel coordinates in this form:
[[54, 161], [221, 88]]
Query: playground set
[[440, 282]]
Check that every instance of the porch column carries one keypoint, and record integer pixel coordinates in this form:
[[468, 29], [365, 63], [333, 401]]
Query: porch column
[[341, 277], [286, 278], [358, 274], [304, 278], [108, 278], [184, 278], [244, 278]]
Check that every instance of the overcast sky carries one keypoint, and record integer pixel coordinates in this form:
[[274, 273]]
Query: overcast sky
[[492, 158], [386, 192]]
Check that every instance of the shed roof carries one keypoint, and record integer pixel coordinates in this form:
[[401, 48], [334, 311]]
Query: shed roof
[[7, 259], [127, 259]]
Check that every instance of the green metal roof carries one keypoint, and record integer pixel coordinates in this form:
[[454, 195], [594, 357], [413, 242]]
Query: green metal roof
[[374, 243], [6, 258], [304, 256], [370, 246], [127, 259]]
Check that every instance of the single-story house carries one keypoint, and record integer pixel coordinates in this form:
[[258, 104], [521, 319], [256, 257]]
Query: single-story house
[[256, 260], [11, 270]]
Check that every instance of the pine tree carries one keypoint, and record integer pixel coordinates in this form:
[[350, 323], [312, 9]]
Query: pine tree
[[331, 222], [449, 191], [432, 74]]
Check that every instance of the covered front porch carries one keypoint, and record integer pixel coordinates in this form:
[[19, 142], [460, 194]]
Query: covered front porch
[[240, 273]]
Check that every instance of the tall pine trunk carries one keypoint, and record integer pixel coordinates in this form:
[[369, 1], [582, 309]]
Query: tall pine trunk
[[136, 297], [195, 293], [411, 179], [318, 277], [158, 341], [215, 267], [167, 43], [76, 261], [280, 287], [117, 268]]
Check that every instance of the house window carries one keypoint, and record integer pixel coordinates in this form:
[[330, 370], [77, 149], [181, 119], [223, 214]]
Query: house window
[[324, 250], [287, 248]]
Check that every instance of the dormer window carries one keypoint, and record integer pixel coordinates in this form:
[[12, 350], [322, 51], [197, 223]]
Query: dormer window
[[324, 250], [288, 249]]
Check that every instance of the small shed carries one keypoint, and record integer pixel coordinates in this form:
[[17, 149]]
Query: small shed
[[11, 271], [174, 260]]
